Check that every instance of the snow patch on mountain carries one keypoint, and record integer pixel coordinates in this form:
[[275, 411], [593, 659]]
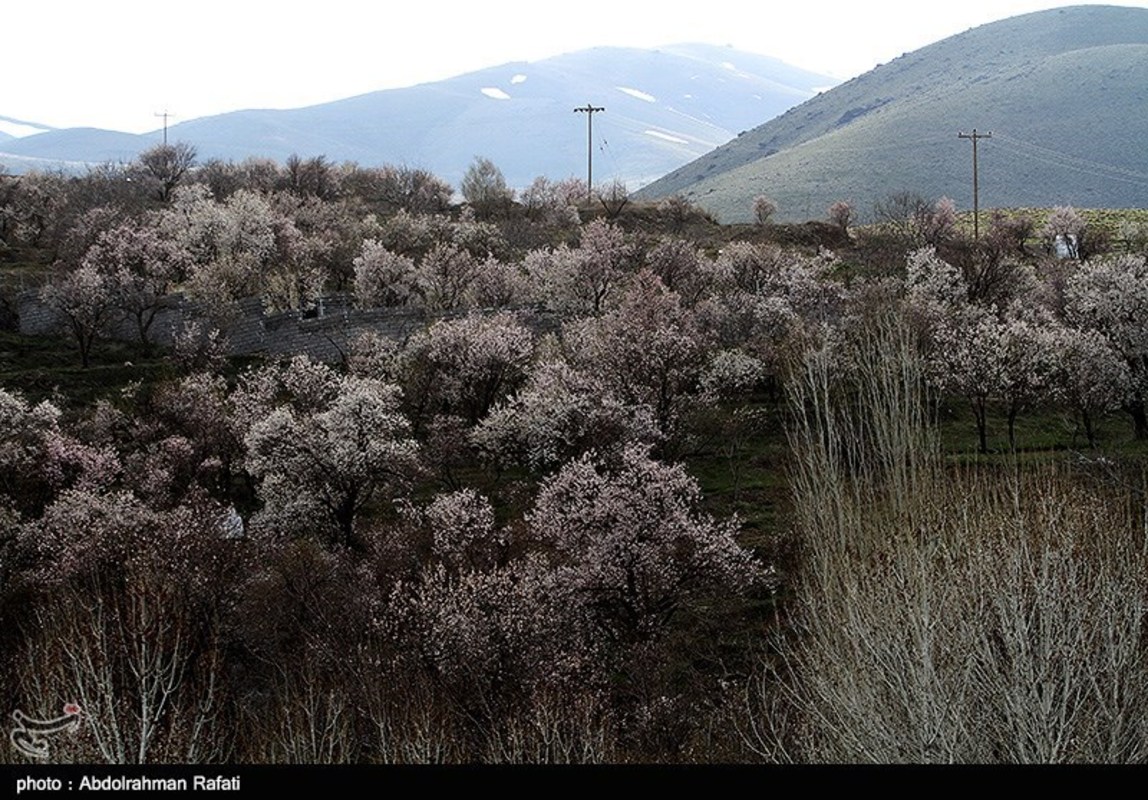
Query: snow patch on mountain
[[666, 137], [519, 78], [18, 129], [649, 98], [495, 94]]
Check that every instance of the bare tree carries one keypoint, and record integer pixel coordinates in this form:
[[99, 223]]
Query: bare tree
[[614, 198], [167, 165]]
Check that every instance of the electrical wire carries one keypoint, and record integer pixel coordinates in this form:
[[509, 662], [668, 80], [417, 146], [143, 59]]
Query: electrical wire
[[1047, 155]]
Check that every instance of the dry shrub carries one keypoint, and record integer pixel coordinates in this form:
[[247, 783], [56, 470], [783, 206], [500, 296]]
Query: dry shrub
[[948, 614]]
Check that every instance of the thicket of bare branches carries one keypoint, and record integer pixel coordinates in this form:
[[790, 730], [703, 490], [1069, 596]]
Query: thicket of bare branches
[[949, 614]]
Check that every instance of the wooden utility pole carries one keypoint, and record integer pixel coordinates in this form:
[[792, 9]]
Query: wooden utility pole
[[165, 116], [589, 111], [976, 188]]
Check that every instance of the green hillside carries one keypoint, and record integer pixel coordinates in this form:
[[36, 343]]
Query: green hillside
[[1064, 93]]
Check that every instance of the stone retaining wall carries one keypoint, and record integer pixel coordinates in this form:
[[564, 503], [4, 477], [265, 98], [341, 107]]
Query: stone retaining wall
[[324, 333]]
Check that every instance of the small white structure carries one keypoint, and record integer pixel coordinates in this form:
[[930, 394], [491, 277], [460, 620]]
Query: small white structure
[[232, 524]]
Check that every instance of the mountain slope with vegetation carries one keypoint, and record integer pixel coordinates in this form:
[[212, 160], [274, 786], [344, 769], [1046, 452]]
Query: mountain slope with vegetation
[[1063, 92]]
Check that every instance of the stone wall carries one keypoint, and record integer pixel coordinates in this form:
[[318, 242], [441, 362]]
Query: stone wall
[[323, 333]]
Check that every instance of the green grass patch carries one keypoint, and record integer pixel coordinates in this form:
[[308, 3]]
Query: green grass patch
[[1042, 433], [48, 368]]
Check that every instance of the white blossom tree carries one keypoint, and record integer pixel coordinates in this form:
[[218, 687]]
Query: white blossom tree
[[1064, 227], [649, 351], [1110, 295], [561, 413], [338, 453], [382, 278], [968, 360], [581, 280], [1090, 376]]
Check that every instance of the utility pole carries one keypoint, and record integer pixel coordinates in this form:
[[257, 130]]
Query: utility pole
[[976, 188], [589, 111], [165, 115]]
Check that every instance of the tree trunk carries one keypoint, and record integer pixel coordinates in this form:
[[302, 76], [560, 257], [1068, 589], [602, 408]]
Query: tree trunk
[[980, 412], [1089, 430], [1139, 419]]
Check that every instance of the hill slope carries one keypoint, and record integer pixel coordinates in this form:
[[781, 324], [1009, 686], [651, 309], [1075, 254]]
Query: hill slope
[[664, 108], [1064, 93]]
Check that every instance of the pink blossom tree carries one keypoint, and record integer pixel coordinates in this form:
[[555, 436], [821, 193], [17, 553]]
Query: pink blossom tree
[[631, 545], [85, 299], [840, 213], [498, 284], [442, 279], [682, 268], [25, 432], [198, 409], [649, 351], [941, 223], [579, 281], [491, 638], [550, 202], [464, 366], [142, 266], [461, 531]]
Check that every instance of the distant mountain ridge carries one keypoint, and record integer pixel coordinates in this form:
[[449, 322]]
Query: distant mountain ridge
[[1064, 93], [664, 107]]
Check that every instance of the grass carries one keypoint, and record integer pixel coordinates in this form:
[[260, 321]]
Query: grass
[[1047, 430], [23, 267], [48, 368]]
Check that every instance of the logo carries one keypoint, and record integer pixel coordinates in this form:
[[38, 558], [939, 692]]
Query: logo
[[30, 736]]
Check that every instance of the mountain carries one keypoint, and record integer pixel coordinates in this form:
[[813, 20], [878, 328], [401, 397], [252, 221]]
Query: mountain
[[90, 145], [1063, 92], [11, 128], [664, 108]]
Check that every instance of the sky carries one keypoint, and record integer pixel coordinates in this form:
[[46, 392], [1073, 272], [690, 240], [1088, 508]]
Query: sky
[[119, 64]]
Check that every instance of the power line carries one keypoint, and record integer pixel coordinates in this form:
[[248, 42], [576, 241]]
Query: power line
[[1075, 163]]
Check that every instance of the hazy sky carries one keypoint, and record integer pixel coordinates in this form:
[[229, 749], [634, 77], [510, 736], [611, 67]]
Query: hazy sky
[[116, 63]]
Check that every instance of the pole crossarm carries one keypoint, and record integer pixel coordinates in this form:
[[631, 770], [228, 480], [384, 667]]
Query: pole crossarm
[[589, 110]]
